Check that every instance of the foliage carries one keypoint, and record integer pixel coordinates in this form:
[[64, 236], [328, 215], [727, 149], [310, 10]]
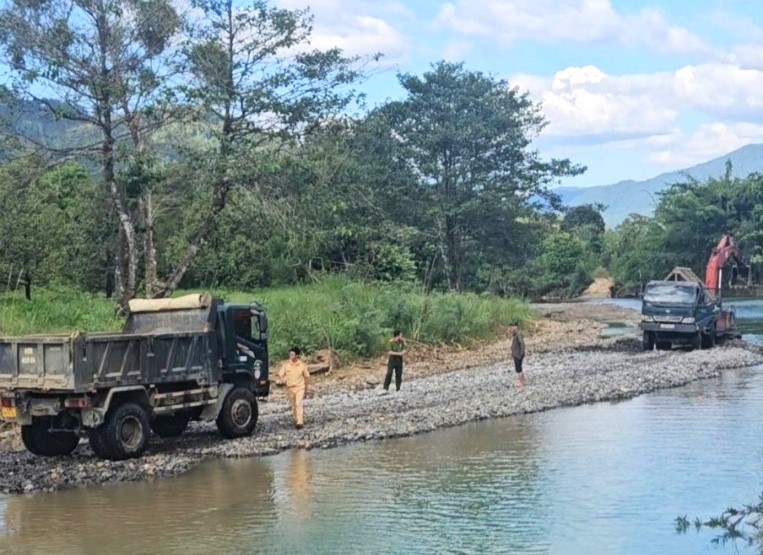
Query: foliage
[[734, 524], [354, 318], [689, 220], [465, 136], [586, 221], [101, 65], [54, 225], [59, 310], [254, 83]]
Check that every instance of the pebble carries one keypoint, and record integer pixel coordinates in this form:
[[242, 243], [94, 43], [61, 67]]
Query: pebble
[[607, 369]]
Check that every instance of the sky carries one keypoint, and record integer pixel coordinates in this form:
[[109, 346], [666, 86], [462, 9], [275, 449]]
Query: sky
[[631, 89]]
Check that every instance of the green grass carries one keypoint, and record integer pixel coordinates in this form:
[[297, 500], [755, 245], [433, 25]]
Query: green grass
[[56, 311], [354, 318]]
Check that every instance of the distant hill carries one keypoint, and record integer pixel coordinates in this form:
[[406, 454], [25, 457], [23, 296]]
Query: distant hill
[[639, 197], [33, 120]]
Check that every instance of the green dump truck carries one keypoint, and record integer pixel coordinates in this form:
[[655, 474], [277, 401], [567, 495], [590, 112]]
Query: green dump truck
[[176, 360]]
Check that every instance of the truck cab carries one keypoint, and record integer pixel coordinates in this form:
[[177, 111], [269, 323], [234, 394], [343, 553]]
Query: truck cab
[[243, 341], [678, 313]]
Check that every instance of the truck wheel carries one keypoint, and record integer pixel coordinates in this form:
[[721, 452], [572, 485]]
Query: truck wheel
[[647, 341], [170, 425], [696, 341], [238, 417], [96, 443], [41, 442], [125, 433], [708, 339]]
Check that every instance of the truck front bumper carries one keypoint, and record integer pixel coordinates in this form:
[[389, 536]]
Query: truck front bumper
[[662, 328]]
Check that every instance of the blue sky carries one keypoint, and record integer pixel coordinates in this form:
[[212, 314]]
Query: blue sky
[[630, 88]]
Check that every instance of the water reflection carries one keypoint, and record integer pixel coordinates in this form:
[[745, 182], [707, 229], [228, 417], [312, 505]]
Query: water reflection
[[603, 478], [298, 483], [193, 513]]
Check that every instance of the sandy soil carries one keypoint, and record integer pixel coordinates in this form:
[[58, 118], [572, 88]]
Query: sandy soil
[[558, 325]]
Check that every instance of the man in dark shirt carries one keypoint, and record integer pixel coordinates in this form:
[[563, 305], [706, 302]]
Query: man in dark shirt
[[395, 361], [517, 352]]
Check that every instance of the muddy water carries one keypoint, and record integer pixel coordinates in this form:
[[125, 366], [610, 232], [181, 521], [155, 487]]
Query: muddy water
[[605, 478]]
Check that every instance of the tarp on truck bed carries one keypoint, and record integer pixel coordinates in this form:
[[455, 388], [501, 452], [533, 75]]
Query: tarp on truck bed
[[187, 302]]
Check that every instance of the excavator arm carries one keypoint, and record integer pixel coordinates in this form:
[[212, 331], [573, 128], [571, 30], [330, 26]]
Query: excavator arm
[[720, 255]]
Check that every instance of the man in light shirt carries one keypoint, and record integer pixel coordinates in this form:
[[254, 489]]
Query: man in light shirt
[[297, 379]]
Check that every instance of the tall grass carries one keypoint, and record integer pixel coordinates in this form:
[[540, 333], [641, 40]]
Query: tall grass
[[56, 311], [357, 318], [352, 317]]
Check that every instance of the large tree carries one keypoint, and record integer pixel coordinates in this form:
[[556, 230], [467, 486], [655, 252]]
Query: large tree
[[466, 136], [99, 63], [255, 84]]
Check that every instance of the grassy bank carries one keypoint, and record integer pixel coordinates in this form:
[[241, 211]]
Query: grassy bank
[[354, 318]]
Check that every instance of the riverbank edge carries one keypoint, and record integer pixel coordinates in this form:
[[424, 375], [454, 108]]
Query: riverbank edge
[[344, 418]]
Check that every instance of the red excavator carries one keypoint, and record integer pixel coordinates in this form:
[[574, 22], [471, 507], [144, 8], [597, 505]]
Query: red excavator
[[719, 258], [684, 310]]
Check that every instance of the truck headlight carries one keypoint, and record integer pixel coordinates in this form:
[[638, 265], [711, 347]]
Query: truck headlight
[[647, 318], [688, 320]]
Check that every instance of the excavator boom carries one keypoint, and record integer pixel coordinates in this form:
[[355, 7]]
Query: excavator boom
[[720, 255]]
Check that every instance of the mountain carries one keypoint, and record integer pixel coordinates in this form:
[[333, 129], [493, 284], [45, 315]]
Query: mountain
[[639, 197]]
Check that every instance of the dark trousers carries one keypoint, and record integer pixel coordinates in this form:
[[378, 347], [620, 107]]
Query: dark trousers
[[518, 365], [395, 364]]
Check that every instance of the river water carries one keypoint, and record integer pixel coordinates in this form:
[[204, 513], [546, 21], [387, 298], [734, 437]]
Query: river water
[[604, 478]]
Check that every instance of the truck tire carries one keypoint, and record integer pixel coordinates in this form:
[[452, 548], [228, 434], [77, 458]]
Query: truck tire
[[696, 340], [96, 443], [43, 443], [125, 433], [238, 416], [170, 425], [647, 341], [708, 339]]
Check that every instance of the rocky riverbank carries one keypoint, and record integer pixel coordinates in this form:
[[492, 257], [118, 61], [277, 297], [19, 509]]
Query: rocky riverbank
[[597, 370]]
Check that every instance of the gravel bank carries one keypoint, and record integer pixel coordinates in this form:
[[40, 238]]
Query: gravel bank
[[602, 370]]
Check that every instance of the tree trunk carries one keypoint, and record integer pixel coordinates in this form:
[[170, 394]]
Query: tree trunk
[[127, 260], [149, 249], [219, 197], [453, 251]]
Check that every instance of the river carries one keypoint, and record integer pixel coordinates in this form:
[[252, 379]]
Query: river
[[603, 478]]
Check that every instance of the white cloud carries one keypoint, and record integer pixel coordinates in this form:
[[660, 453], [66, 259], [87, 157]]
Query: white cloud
[[583, 21], [721, 89], [679, 149], [585, 103], [359, 28]]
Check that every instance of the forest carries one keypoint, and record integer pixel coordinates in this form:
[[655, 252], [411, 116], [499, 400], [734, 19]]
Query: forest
[[146, 150]]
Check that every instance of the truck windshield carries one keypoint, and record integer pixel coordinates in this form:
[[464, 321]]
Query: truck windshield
[[670, 293]]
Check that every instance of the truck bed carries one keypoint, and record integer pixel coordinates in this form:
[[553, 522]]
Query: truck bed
[[85, 362]]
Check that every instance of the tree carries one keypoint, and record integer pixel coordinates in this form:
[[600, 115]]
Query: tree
[[54, 224], [98, 63], [254, 83], [466, 137]]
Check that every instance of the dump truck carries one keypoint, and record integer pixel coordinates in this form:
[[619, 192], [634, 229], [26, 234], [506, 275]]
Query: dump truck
[[684, 310], [681, 313], [175, 360]]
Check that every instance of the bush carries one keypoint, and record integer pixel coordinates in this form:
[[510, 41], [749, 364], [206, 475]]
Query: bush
[[354, 318], [62, 310]]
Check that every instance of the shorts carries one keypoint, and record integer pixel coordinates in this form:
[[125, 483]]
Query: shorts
[[518, 365]]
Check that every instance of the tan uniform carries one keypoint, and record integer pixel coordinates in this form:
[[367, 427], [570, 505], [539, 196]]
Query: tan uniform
[[295, 374]]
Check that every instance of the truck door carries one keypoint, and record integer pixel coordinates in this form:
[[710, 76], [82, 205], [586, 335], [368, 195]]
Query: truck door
[[248, 351]]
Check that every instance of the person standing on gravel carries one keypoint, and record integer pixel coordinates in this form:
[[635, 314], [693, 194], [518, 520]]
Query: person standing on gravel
[[395, 361], [297, 378], [517, 352]]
